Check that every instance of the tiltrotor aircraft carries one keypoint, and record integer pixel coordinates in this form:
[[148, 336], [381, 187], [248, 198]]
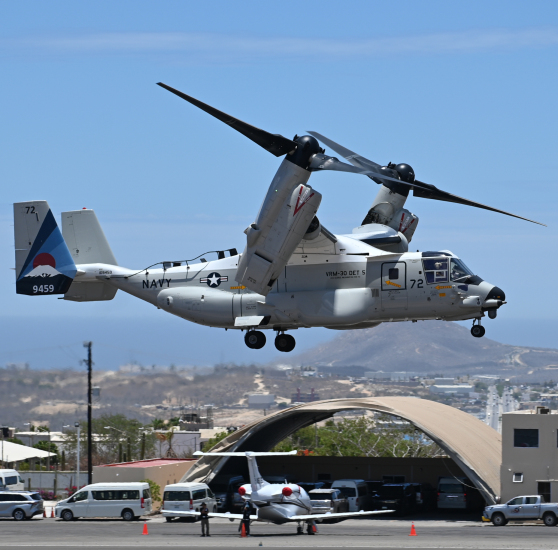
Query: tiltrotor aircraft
[[293, 272], [273, 502]]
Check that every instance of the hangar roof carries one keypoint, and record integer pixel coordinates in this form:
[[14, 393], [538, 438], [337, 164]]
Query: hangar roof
[[474, 446]]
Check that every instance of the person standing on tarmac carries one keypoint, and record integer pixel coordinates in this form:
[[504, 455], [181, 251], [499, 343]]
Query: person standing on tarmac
[[246, 513], [204, 512]]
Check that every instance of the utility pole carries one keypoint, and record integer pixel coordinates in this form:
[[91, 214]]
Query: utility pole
[[89, 362]]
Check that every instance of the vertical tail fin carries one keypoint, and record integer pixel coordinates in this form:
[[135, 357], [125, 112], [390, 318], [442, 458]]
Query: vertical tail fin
[[85, 238], [256, 480], [44, 264]]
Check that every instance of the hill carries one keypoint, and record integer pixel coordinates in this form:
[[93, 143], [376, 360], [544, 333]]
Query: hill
[[430, 347]]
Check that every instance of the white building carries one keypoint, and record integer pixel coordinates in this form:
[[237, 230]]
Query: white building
[[261, 401], [453, 389]]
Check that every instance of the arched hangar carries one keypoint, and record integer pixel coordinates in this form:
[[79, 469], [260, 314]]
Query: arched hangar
[[475, 447]]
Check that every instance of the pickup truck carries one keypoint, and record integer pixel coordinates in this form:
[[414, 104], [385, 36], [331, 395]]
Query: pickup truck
[[524, 508]]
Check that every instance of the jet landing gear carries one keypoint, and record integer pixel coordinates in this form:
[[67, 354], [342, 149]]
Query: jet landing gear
[[255, 339], [477, 330], [285, 342], [310, 528]]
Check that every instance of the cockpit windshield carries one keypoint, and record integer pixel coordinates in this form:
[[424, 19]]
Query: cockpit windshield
[[459, 271]]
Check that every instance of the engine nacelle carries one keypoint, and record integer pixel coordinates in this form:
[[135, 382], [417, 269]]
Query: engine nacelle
[[405, 222], [285, 215]]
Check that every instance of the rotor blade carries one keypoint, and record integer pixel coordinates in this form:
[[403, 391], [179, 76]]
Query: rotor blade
[[351, 156], [325, 162], [427, 191], [276, 144]]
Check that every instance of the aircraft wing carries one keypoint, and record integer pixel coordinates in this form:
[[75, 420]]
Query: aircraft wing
[[193, 513], [338, 515]]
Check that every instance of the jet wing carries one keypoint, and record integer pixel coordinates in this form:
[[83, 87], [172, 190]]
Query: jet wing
[[193, 513], [338, 515]]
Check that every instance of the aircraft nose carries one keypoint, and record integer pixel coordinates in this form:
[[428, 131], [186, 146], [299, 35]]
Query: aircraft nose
[[496, 294]]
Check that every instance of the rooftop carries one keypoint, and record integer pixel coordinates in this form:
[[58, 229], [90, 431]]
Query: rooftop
[[148, 463]]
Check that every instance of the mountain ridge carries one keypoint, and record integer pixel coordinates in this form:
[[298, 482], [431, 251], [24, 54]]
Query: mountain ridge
[[429, 347]]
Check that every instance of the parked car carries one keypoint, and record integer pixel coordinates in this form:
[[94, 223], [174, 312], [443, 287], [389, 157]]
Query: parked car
[[459, 493], [20, 504], [10, 480], [404, 498], [522, 509], [328, 500], [126, 500], [355, 491], [187, 496], [225, 489], [452, 493], [307, 486]]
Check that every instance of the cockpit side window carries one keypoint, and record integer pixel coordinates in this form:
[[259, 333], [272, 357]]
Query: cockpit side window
[[459, 271], [436, 270]]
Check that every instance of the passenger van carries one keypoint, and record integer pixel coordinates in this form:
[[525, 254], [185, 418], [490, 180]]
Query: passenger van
[[10, 480], [109, 500], [355, 491], [183, 497], [452, 493]]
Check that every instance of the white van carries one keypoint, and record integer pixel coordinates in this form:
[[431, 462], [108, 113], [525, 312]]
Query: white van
[[110, 500], [183, 497], [10, 480], [355, 491]]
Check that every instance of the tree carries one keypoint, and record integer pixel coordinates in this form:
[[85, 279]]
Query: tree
[[49, 447], [113, 430], [362, 436], [210, 443]]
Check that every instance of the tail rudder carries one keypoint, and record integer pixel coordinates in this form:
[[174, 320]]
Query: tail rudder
[[44, 264], [85, 238]]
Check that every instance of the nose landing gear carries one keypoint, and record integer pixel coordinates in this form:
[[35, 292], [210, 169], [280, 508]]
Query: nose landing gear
[[477, 330], [254, 339], [285, 342]]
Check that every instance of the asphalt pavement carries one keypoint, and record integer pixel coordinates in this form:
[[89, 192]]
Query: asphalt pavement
[[385, 534]]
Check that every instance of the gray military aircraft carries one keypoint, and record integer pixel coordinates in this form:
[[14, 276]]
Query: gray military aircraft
[[293, 272]]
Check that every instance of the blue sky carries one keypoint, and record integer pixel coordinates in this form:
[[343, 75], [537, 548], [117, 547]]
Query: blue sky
[[464, 92]]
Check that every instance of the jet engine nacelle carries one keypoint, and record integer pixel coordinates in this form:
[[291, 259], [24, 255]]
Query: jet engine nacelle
[[285, 215]]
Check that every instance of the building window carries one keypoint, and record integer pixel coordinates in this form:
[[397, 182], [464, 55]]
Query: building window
[[518, 478], [543, 488], [525, 438]]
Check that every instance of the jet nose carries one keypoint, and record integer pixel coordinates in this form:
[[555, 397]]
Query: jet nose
[[496, 294]]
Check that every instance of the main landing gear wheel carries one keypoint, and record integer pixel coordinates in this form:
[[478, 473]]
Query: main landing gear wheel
[[285, 342], [478, 331], [255, 339]]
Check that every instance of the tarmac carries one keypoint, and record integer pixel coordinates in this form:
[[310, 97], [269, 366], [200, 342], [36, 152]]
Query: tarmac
[[381, 534]]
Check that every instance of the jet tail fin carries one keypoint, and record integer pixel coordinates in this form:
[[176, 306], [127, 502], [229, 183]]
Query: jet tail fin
[[44, 264], [256, 480]]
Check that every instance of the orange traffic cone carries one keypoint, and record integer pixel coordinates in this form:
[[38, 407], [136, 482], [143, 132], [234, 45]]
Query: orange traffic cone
[[145, 531], [413, 533], [243, 530], [314, 528], [52, 512], [44, 513]]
